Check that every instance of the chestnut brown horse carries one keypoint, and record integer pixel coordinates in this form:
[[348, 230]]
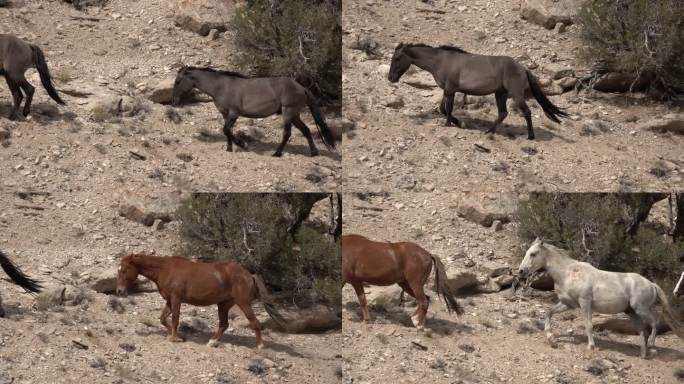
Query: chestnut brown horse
[[405, 263], [180, 280]]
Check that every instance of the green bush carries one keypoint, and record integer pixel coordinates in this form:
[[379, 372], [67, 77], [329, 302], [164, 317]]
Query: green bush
[[259, 232], [640, 37], [593, 227], [296, 38]]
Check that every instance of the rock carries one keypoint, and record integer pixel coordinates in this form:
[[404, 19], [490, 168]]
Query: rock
[[593, 128], [202, 16], [385, 297], [528, 325], [568, 83], [489, 286], [146, 211], [311, 320], [496, 272], [158, 225], [619, 82], [497, 225], [673, 123], [4, 133], [504, 281], [394, 101], [559, 28], [106, 283], [50, 298], [338, 127], [214, 34], [406, 181], [162, 92], [598, 367], [553, 89], [474, 211], [460, 281], [105, 109], [536, 12]]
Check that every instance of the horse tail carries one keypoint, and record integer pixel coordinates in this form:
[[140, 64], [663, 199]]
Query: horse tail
[[443, 288], [671, 318], [326, 134], [17, 275], [268, 302], [41, 66], [551, 111]]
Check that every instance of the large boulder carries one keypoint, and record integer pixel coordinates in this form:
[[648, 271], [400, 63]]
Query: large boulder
[[623, 324], [619, 82], [201, 16], [538, 12]]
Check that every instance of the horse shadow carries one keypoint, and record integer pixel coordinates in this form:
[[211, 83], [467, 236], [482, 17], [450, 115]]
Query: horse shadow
[[267, 148], [201, 337], [542, 133], [400, 316], [629, 349], [41, 113]]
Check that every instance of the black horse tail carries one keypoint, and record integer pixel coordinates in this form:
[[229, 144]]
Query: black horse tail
[[443, 288], [268, 302], [17, 275], [41, 66], [551, 111], [326, 134]]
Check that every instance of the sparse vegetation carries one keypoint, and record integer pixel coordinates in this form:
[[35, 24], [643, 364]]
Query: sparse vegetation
[[639, 37], [267, 234], [281, 38], [367, 45]]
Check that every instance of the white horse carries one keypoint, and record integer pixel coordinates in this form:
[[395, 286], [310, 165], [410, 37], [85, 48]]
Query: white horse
[[679, 288], [579, 284]]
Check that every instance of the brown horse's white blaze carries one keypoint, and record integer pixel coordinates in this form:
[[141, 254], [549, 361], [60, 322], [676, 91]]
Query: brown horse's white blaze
[[180, 280], [379, 263]]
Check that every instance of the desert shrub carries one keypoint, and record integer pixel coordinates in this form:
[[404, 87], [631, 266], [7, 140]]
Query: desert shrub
[[594, 228], [640, 37], [301, 39], [265, 233]]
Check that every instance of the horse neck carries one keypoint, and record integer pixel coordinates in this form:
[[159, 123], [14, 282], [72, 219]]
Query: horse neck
[[209, 82], [149, 266], [557, 262], [426, 58]]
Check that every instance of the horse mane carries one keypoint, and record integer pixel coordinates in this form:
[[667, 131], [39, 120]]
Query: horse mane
[[444, 47], [219, 71]]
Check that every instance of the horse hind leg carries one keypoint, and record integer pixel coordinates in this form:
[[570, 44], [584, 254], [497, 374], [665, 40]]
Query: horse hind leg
[[175, 318], [228, 131], [307, 134], [17, 97], [649, 319], [29, 91], [287, 132], [522, 105], [164, 317], [419, 316], [501, 97], [246, 308], [641, 326], [223, 309], [558, 308]]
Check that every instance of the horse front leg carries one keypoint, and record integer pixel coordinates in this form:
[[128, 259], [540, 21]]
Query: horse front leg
[[223, 309], [448, 108], [228, 131], [585, 305], [175, 317], [558, 308]]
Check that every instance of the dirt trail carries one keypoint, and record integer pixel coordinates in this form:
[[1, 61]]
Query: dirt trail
[[498, 339], [400, 141]]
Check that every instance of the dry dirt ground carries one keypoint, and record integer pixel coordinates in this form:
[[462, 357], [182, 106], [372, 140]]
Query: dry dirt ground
[[120, 50], [75, 239], [497, 340], [400, 141]]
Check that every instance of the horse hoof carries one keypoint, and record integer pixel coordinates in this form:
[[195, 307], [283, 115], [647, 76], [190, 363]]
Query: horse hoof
[[314, 154], [176, 339], [530, 137], [414, 320], [260, 346], [213, 343], [277, 154]]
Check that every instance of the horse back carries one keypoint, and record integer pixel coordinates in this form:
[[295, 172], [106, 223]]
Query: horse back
[[15, 48]]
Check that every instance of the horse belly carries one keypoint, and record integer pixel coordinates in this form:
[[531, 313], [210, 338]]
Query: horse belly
[[257, 107], [608, 303]]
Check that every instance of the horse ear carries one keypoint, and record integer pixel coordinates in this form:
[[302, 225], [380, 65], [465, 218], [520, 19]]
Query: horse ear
[[541, 241]]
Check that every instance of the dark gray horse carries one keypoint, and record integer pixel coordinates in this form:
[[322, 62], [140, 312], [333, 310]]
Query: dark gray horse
[[18, 277], [236, 95], [16, 56], [456, 70]]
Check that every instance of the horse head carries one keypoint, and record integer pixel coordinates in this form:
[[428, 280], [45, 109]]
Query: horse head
[[534, 261], [126, 275], [400, 63], [182, 85]]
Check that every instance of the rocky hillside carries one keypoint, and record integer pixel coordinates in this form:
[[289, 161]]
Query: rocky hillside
[[114, 66], [78, 330], [610, 142], [499, 339]]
